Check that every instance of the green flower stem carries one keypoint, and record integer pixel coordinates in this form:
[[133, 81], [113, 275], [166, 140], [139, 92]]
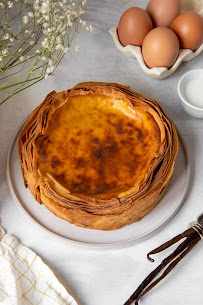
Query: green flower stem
[[6, 16], [20, 63], [19, 12], [13, 80], [24, 67], [14, 57], [28, 80], [19, 90]]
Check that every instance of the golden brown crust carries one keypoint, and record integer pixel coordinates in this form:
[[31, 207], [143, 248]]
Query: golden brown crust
[[87, 211]]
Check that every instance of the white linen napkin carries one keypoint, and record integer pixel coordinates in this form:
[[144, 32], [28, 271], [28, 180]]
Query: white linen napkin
[[25, 279]]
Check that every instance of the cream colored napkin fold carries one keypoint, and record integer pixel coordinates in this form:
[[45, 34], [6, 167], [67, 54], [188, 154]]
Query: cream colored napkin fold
[[25, 279]]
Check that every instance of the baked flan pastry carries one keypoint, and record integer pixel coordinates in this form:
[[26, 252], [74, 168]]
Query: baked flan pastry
[[98, 155]]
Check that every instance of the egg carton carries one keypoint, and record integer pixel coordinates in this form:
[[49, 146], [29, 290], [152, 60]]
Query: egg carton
[[184, 54]]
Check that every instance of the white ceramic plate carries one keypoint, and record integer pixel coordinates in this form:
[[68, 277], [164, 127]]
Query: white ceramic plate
[[74, 235], [184, 54]]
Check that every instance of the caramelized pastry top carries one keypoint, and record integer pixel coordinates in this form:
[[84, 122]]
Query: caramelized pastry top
[[98, 155], [98, 146]]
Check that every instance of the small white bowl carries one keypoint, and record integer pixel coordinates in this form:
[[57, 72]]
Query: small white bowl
[[191, 109]]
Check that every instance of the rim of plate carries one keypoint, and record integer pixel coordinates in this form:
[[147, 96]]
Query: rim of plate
[[100, 246]]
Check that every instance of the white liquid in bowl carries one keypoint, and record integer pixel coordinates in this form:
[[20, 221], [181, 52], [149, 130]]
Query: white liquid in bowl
[[194, 92]]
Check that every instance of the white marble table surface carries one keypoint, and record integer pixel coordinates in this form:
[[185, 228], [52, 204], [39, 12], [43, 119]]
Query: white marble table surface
[[109, 277]]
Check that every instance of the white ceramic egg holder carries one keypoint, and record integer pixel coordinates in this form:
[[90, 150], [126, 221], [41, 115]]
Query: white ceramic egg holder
[[184, 54]]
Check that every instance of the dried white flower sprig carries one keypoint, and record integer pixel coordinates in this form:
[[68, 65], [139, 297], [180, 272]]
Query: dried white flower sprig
[[34, 37]]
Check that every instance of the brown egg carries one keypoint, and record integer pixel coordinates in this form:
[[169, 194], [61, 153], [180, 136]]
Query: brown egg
[[133, 26], [163, 12], [160, 48], [189, 29]]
